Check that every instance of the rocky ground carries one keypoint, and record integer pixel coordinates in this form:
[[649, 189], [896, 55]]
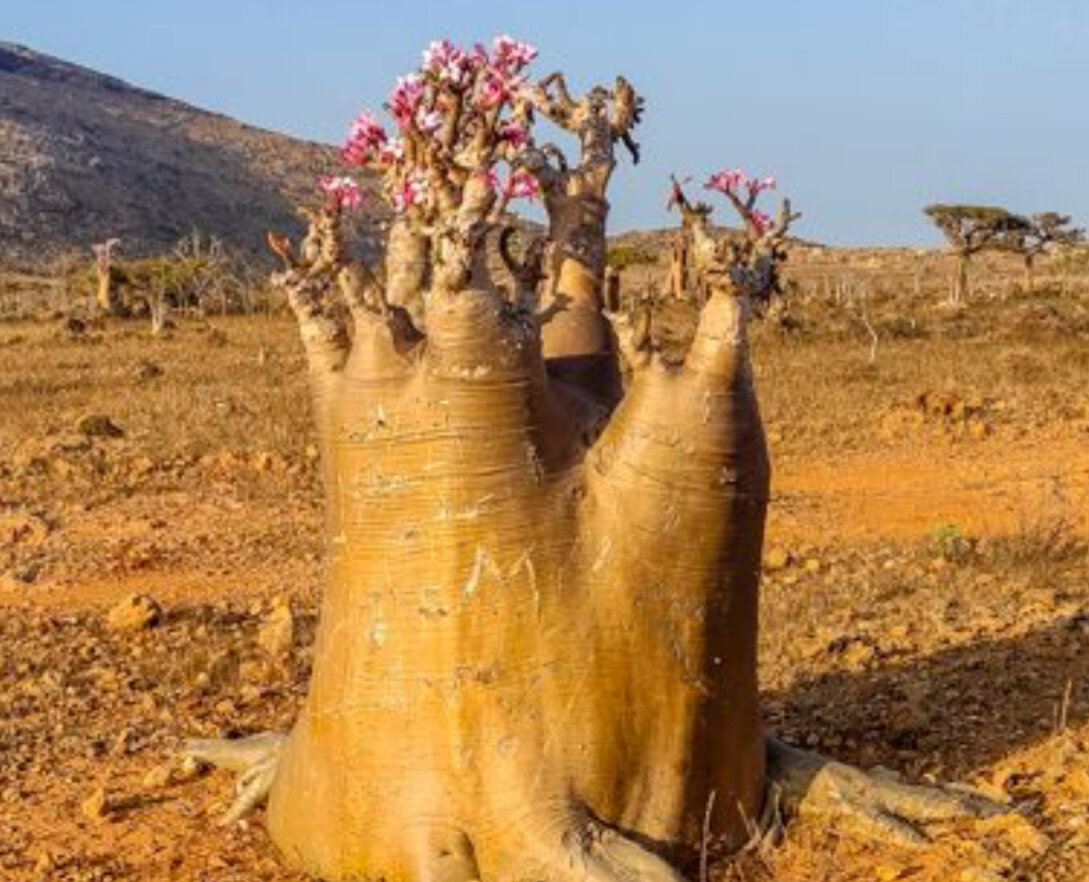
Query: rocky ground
[[926, 601]]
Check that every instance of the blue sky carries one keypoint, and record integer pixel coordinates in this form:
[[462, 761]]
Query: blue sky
[[866, 110]]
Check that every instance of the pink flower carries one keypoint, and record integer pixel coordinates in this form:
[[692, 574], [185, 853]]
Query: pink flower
[[758, 185], [761, 221], [415, 191], [522, 185], [512, 55], [731, 181], [365, 136], [428, 121], [491, 179], [447, 63], [404, 100], [727, 181], [492, 92], [391, 151], [343, 191], [515, 135]]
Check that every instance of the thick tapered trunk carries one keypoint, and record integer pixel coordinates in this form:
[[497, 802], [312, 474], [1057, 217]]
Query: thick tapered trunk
[[524, 644], [960, 280], [107, 297], [407, 253]]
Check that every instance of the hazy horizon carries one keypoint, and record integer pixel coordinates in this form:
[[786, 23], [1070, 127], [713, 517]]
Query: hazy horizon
[[865, 114]]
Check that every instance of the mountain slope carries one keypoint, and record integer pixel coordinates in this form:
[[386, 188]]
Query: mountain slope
[[85, 156]]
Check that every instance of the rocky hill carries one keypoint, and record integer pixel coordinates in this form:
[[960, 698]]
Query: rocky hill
[[85, 156]]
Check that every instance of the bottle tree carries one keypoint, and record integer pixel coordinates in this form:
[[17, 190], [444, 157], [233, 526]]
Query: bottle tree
[[537, 650]]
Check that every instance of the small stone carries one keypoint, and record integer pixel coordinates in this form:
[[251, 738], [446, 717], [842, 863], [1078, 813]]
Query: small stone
[[189, 769], [812, 565], [776, 559], [45, 864], [277, 633], [158, 777], [858, 654], [96, 806], [886, 873], [134, 613], [98, 425]]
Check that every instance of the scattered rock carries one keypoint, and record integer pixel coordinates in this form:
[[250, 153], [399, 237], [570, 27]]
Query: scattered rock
[[134, 613], [96, 806], [189, 769], [158, 777], [45, 864], [98, 425]]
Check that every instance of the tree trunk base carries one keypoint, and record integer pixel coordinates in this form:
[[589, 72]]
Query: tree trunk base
[[802, 783]]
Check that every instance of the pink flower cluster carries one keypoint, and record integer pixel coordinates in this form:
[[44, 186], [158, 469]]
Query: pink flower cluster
[[761, 221], [512, 55], [414, 192], [515, 135], [366, 139], [421, 103], [732, 180], [406, 99], [522, 185], [448, 63], [343, 191]]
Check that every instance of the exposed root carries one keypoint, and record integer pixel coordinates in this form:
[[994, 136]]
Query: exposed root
[[255, 758], [604, 855], [869, 805]]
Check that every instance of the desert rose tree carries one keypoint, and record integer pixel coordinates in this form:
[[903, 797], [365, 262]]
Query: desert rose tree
[[537, 651], [107, 296]]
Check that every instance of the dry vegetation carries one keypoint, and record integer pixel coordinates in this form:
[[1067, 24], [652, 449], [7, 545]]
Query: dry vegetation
[[926, 602]]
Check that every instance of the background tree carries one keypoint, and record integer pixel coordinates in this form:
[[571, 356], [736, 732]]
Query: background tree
[[1042, 233], [970, 229], [537, 652], [107, 295]]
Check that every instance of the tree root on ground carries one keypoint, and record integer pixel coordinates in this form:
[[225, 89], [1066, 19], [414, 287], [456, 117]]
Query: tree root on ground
[[800, 782], [867, 804], [254, 758]]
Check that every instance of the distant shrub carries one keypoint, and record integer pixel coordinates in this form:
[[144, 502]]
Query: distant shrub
[[620, 257]]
